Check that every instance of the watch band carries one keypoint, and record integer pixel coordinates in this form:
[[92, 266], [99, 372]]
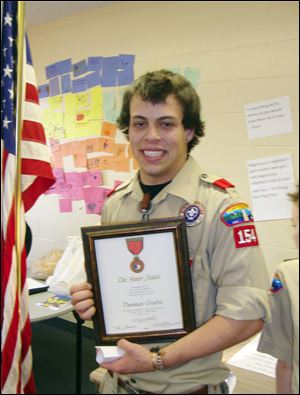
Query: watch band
[[157, 361]]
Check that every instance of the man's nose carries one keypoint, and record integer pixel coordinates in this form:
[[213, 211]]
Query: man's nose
[[153, 132]]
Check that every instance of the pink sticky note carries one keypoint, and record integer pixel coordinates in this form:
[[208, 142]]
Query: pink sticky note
[[65, 205], [93, 207], [77, 193], [96, 178]]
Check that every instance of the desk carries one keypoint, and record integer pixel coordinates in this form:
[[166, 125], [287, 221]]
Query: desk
[[40, 313]]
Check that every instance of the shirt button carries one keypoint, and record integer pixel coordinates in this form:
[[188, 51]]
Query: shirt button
[[204, 175]]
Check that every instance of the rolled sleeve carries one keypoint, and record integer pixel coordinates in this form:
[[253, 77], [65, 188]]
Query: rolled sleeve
[[243, 303]]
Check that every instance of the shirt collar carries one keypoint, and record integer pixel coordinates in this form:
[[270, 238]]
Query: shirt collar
[[184, 185], [186, 182]]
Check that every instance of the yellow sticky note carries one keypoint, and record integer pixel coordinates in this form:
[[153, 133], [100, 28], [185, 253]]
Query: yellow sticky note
[[70, 102], [95, 109], [82, 100], [55, 103]]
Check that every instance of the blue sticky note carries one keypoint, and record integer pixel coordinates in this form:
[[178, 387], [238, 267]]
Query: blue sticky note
[[62, 67], [176, 70], [109, 71], [111, 115], [192, 75], [109, 100], [125, 69], [66, 84], [125, 77], [94, 63], [93, 79], [51, 71], [43, 91], [79, 85], [79, 68], [54, 86], [126, 61]]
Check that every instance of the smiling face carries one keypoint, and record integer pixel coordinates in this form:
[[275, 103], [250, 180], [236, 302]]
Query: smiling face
[[158, 139]]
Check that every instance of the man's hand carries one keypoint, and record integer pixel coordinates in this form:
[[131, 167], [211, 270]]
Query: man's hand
[[82, 300], [137, 359]]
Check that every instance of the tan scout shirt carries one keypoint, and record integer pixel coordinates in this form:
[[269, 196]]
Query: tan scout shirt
[[227, 280], [280, 338]]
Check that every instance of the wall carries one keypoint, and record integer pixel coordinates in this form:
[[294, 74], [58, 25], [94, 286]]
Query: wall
[[246, 52]]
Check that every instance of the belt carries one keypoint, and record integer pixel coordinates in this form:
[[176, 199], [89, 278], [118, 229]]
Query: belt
[[132, 390]]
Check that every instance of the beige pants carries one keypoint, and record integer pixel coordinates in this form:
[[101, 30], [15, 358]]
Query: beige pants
[[109, 385]]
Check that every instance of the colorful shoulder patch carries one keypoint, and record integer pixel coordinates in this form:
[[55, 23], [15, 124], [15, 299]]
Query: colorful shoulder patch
[[237, 214], [276, 284]]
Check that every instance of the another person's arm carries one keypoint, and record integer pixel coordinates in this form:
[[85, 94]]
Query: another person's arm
[[283, 378]]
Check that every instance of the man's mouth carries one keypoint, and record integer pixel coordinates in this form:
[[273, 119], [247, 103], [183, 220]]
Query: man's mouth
[[153, 154]]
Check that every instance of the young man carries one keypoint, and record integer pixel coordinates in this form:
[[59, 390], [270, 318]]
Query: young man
[[161, 116], [280, 338]]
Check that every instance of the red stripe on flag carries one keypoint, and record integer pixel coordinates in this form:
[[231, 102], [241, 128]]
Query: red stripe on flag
[[33, 131], [31, 94], [11, 340]]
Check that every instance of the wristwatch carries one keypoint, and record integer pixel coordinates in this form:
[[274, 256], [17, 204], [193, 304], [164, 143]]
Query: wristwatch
[[157, 360]]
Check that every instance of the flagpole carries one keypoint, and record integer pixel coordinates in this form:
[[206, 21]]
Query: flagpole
[[19, 127]]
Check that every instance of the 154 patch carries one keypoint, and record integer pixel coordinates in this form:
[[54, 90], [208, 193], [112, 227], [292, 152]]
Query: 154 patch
[[245, 236]]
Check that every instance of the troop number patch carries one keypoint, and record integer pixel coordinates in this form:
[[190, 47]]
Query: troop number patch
[[245, 236]]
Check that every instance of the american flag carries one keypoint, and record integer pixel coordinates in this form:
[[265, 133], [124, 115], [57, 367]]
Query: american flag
[[36, 178]]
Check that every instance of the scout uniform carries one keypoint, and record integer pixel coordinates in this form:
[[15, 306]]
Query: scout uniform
[[280, 338], [228, 271]]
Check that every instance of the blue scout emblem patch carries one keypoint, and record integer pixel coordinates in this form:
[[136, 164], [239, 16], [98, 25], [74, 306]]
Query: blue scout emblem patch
[[193, 213], [237, 214], [276, 284]]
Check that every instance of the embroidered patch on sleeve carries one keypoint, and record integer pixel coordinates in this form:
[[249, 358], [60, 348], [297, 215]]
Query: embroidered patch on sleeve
[[237, 214], [276, 284], [245, 236]]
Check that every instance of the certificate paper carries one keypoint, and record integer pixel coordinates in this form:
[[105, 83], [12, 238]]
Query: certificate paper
[[141, 296], [141, 280]]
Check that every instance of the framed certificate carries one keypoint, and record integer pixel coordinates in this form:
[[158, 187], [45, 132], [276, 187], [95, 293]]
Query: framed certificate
[[141, 280]]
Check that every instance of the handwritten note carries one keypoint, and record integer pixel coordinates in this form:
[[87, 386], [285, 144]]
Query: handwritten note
[[271, 179], [269, 118]]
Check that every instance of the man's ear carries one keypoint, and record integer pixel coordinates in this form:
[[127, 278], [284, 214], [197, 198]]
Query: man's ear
[[189, 134]]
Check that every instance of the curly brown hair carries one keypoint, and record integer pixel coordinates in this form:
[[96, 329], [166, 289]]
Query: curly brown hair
[[155, 87]]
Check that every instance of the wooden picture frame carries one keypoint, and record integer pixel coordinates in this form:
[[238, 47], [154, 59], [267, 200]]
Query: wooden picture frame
[[141, 280]]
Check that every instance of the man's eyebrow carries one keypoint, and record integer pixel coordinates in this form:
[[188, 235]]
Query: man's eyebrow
[[160, 118]]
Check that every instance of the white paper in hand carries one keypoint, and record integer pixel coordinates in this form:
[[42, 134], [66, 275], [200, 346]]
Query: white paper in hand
[[108, 353]]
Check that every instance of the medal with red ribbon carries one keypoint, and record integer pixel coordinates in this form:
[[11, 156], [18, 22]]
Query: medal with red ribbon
[[135, 245]]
